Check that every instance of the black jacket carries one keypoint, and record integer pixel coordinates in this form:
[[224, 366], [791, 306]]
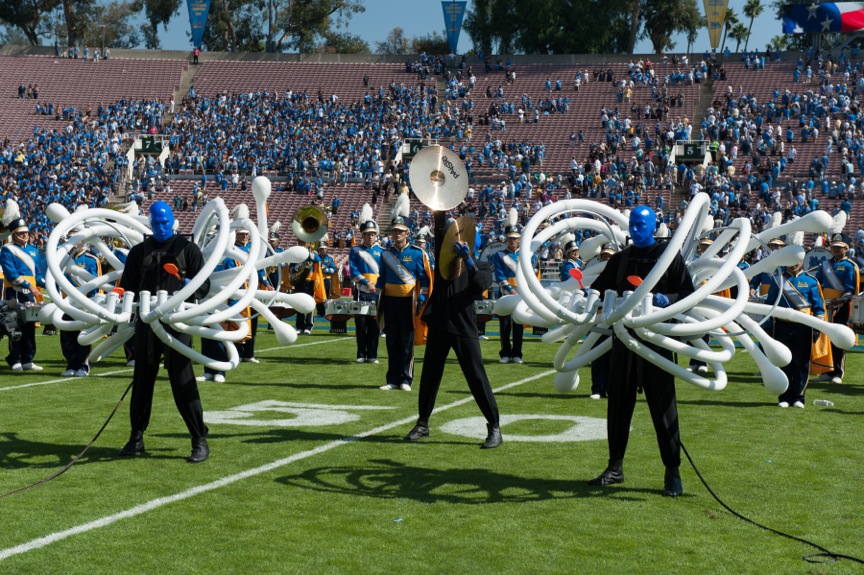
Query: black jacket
[[144, 266], [451, 305]]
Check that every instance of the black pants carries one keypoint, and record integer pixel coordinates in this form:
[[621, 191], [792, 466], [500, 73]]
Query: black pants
[[399, 323], [841, 316], [799, 339], [149, 350], [23, 350], [628, 373], [508, 325], [75, 354], [600, 369], [214, 350], [246, 349], [306, 320], [366, 330], [438, 345]]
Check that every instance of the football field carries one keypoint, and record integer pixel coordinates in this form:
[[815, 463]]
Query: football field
[[309, 474]]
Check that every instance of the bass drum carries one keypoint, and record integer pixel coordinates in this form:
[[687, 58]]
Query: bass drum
[[490, 250], [813, 259]]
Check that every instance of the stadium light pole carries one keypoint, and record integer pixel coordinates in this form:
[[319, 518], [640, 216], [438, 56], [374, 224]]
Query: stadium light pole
[[103, 39]]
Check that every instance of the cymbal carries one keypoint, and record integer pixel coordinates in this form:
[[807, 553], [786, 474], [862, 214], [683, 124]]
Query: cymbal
[[462, 230], [439, 178]]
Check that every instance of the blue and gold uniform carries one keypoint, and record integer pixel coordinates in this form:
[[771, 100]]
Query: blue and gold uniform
[[840, 279], [364, 262], [246, 350], [404, 280], [328, 273], [23, 274], [306, 277], [505, 263], [572, 261], [800, 291]]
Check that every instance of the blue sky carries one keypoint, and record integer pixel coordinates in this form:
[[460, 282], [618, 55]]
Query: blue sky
[[421, 17]]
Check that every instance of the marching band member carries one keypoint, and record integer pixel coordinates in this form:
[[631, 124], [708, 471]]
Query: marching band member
[[761, 282], [78, 356], [840, 279], [505, 264], [452, 325], [800, 291], [422, 242], [601, 366], [247, 349], [328, 271], [22, 276], [631, 373], [306, 277], [273, 272], [571, 261], [364, 262], [404, 285]]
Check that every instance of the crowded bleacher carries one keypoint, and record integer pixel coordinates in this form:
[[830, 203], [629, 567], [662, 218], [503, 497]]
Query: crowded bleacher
[[785, 134]]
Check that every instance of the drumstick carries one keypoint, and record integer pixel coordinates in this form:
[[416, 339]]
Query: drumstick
[[172, 269], [576, 274]]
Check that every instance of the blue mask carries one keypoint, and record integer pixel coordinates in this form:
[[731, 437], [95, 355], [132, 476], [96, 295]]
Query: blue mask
[[161, 221], [643, 224]]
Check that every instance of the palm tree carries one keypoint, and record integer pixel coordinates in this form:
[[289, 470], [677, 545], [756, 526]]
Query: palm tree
[[731, 20], [739, 34], [752, 9]]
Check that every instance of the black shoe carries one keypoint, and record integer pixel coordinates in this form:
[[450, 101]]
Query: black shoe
[[672, 483], [200, 451], [134, 446], [494, 438], [610, 476], [418, 433]]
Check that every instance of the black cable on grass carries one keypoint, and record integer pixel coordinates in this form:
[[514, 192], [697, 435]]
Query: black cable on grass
[[75, 459], [810, 557]]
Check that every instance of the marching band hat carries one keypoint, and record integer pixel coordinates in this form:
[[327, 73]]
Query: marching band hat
[[513, 231], [274, 236], [608, 249], [19, 225], [837, 240], [571, 245], [422, 238], [776, 242], [399, 224], [706, 242], [369, 227], [322, 244]]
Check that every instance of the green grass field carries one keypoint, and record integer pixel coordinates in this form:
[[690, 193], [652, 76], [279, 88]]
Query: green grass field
[[309, 474]]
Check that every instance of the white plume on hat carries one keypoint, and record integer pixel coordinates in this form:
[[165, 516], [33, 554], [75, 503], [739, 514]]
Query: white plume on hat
[[512, 217], [838, 222], [566, 238], [776, 220], [275, 227], [10, 213], [819, 241], [795, 238], [401, 208], [662, 230], [425, 231], [366, 214]]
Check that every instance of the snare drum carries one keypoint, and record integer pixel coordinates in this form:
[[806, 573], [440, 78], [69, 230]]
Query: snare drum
[[483, 310], [337, 309], [363, 308], [31, 312]]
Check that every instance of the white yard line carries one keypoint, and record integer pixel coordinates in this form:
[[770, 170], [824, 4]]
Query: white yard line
[[161, 501], [119, 371]]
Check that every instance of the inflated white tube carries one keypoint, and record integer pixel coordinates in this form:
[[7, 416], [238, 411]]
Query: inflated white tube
[[817, 222]]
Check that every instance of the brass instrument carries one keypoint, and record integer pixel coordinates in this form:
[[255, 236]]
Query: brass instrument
[[309, 225]]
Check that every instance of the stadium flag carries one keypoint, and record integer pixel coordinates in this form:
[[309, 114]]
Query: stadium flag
[[715, 16], [825, 17], [198, 10], [454, 12]]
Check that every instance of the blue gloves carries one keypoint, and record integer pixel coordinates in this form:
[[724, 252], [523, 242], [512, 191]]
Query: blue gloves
[[421, 301], [660, 300], [185, 282], [464, 251]]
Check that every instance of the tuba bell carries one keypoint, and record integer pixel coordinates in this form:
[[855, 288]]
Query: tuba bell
[[309, 224]]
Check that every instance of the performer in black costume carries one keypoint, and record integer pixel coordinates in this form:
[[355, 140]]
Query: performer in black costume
[[451, 323], [630, 373], [144, 271]]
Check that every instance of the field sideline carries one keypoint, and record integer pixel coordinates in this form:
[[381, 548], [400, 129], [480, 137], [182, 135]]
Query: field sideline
[[309, 474]]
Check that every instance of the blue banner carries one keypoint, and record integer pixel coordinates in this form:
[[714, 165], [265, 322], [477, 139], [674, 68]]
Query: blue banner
[[454, 12], [198, 10]]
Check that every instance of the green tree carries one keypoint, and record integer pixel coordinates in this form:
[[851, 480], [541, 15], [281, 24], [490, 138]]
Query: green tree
[[27, 16], [300, 24], [752, 9], [344, 43], [666, 17], [434, 43], [395, 43], [157, 12], [692, 27], [739, 34]]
